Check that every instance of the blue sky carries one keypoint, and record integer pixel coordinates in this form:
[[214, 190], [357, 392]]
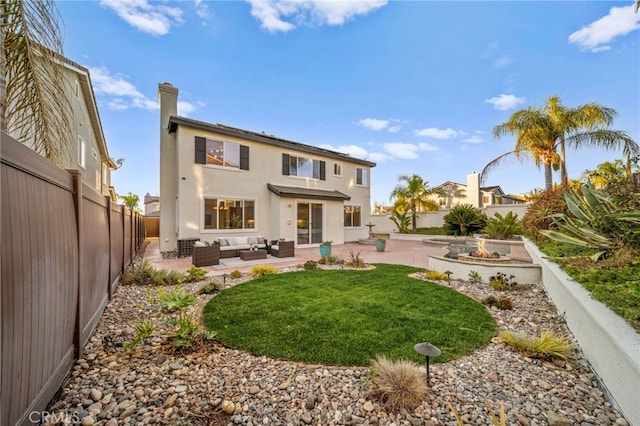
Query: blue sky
[[416, 87]]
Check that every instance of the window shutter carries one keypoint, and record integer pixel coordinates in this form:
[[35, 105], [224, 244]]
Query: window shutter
[[201, 150], [322, 170], [244, 157], [285, 164]]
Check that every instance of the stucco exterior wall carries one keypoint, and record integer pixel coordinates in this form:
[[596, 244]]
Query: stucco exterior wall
[[275, 215], [610, 344]]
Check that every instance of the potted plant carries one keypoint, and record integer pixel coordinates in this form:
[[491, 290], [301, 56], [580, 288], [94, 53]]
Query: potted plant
[[380, 244], [325, 249]]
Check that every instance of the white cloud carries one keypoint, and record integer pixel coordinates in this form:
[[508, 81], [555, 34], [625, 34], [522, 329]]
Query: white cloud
[[155, 19], [423, 146], [352, 150], [374, 123], [502, 61], [474, 139], [123, 95], [597, 35], [405, 151], [278, 15], [378, 157], [435, 133], [394, 129], [505, 102], [202, 10]]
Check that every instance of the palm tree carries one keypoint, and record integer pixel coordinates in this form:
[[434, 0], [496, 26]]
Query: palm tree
[[130, 200], [541, 132], [416, 194], [609, 171], [33, 105]]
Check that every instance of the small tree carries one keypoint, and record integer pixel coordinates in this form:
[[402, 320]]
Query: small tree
[[131, 201], [417, 196]]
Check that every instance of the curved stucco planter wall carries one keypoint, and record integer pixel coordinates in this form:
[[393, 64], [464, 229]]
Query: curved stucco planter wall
[[610, 344]]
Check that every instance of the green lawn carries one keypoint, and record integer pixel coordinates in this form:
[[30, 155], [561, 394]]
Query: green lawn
[[347, 317]]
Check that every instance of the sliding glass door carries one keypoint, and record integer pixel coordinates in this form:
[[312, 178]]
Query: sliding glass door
[[309, 223]]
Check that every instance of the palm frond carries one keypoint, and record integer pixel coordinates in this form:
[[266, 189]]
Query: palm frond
[[38, 110]]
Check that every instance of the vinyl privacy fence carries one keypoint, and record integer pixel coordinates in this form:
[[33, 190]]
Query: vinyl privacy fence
[[64, 247]]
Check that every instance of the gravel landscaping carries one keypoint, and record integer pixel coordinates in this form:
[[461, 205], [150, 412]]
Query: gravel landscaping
[[154, 384]]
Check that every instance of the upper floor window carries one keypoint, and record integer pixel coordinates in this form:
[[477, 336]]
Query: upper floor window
[[76, 90], [221, 153], [362, 176], [94, 154], [352, 216], [337, 169], [293, 165], [82, 152], [227, 213]]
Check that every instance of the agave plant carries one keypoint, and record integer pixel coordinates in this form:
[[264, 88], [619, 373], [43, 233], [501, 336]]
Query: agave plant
[[594, 221]]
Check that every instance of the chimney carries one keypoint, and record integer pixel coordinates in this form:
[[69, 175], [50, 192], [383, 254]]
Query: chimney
[[473, 189], [168, 99]]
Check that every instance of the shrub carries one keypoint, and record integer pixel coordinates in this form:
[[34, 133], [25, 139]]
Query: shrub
[[211, 288], [331, 260], [503, 303], [399, 384], [262, 270], [175, 300], [355, 261], [538, 214], [502, 282], [310, 264], [401, 220], [594, 220], [195, 274], [143, 330], [464, 219], [235, 274], [503, 227], [475, 277], [435, 275], [145, 274], [549, 345]]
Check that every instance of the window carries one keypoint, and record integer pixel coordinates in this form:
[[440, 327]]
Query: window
[[221, 153], [94, 154], [105, 174], [225, 213], [362, 177], [293, 165], [304, 167], [76, 90], [337, 169], [98, 180], [485, 199], [225, 154], [82, 146], [352, 216]]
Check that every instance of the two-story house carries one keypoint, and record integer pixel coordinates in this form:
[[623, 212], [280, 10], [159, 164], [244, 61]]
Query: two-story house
[[217, 180], [454, 193], [89, 154]]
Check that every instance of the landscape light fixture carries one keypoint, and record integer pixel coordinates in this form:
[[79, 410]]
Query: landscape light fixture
[[224, 279], [428, 350], [448, 274]]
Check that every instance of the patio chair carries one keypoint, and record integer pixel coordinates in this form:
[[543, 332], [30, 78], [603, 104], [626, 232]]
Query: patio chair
[[283, 249], [206, 256]]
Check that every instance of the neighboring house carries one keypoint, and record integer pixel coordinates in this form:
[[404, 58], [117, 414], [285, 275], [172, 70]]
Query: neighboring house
[[454, 194], [217, 180], [89, 154], [151, 205]]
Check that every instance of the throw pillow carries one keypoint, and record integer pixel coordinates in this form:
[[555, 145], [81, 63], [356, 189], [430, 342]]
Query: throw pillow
[[223, 242]]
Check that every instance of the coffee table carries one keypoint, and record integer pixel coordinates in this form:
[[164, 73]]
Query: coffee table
[[253, 254]]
